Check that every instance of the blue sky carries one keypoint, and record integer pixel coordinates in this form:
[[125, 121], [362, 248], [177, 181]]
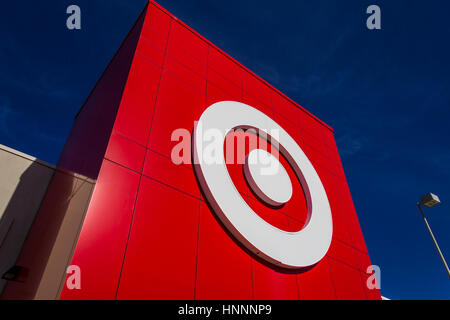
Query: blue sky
[[386, 93]]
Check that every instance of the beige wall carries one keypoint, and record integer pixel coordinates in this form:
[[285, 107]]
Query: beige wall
[[42, 209], [23, 183]]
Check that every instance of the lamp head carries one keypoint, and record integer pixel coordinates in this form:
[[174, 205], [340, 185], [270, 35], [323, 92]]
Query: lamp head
[[429, 200]]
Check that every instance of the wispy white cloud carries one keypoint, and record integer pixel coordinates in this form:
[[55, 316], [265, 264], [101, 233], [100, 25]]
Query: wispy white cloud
[[350, 144]]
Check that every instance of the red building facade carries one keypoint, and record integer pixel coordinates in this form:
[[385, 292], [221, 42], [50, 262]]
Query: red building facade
[[148, 232]]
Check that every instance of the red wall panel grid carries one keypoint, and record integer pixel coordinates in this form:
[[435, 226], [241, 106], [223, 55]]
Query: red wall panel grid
[[150, 234]]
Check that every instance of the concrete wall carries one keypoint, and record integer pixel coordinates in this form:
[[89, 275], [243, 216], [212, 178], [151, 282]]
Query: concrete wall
[[23, 183], [42, 209]]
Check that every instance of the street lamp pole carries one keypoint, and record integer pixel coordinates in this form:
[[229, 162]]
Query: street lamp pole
[[429, 229]]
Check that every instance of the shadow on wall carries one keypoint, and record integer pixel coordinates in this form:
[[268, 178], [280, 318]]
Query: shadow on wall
[[42, 209]]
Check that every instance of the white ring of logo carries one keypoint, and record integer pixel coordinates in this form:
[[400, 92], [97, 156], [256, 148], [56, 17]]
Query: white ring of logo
[[293, 250]]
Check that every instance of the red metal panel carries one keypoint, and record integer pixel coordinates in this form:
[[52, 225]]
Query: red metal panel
[[352, 219], [125, 152], [229, 69], [150, 51], [224, 84], [180, 70], [363, 260], [256, 103], [224, 269], [100, 249], [340, 230], [181, 177], [189, 42], [317, 283], [174, 111], [343, 252], [316, 145], [286, 109], [269, 284], [311, 126], [155, 37], [318, 157], [215, 94], [292, 129], [347, 281], [136, 109], [179, 54], [157, 21], [256, 88], [334, 159], [161, 255]]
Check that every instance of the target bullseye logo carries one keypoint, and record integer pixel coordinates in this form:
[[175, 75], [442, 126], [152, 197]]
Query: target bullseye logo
[[273, 189], [292, 250]]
